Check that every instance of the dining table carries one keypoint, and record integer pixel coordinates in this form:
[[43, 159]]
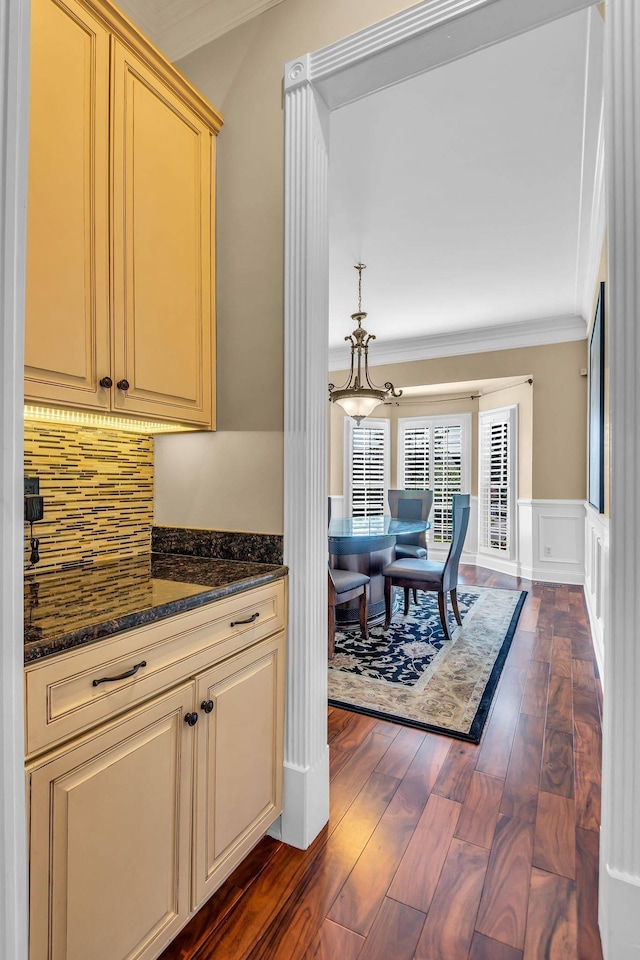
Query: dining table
[[367, 544]]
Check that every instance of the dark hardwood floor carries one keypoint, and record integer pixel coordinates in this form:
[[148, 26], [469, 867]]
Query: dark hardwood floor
[[437, 849]]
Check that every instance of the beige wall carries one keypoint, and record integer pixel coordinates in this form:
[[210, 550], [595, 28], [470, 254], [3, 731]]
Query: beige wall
[[555, 418], [241, 74]]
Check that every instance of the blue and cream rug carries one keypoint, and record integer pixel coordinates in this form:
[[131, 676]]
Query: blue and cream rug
[[412, 675]]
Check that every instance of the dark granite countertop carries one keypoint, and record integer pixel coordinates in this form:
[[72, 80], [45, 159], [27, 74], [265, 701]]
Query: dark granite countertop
[[84, 604]]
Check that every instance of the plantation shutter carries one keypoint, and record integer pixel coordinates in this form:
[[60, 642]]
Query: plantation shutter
[[369, 469], [447, 478], [496, 481], [433, 456], [417, 460]]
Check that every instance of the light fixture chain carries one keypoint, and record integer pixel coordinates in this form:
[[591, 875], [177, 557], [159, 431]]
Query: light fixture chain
[[360, 267]]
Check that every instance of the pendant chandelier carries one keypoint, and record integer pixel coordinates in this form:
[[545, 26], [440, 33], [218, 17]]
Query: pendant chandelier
[[359, 396]]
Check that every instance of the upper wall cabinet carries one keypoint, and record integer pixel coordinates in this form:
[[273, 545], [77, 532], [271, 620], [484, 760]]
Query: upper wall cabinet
[[120, 258]]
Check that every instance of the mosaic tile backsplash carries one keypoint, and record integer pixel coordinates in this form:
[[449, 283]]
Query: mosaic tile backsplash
[[98, 493]]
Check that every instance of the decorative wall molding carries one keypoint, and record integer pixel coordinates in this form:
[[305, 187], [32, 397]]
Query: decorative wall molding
[[409, 43], [528, 333], [306, 780], [14, 131], [551, 540], [596, 578], [190, 24], [556, 525], [180, 28], [620, 835], [422, 38]]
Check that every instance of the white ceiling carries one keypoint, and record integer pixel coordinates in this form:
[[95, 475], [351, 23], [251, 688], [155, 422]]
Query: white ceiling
[[474, 195], [178, 27]]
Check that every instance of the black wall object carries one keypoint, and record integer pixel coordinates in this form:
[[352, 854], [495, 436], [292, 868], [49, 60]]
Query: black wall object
[[596, 407]]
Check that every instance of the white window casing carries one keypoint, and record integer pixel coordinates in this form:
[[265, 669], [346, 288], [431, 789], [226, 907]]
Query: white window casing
[[434, 453], [366, 467], [498, 481]]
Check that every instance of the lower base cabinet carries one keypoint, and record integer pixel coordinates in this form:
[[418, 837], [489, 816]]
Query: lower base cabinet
[[135, 824]]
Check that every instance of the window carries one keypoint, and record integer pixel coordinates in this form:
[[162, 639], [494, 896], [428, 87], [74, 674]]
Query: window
[[434, 454], [497, 446], [366, 467]]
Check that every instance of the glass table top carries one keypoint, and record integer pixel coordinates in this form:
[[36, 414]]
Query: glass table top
[[385, 526]]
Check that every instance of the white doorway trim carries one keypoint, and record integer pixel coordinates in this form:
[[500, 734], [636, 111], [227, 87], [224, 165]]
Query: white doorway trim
[[14, 130], [412, 42], [417, 40]]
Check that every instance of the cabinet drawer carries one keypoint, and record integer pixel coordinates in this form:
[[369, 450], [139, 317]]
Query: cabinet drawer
[[69, 693]]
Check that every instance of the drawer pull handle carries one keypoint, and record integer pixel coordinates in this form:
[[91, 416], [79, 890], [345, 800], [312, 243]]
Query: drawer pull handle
[[207, 706], [252, 618], [191, 719], [121, 676]]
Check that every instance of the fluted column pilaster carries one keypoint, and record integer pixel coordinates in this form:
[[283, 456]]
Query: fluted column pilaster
[[306, 795], [620, 844]]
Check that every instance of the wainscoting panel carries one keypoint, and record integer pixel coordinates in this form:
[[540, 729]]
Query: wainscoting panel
[[552, 540], [596, 577]]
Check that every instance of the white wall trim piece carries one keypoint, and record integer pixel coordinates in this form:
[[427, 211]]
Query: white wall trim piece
[[620, 834], [596, 578], [527, 333], [591, 229], [306, 802], [552, 540], [14, 131], [180, 28], [412, 42], [422, 38], [190, 24]]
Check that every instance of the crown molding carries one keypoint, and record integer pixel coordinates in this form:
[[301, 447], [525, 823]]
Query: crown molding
[[421, 38], [191, 24], [528, 333], [180, 28]]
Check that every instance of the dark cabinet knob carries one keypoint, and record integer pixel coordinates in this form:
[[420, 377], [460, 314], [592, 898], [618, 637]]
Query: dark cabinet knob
[[191, 719], [106, 382], [207, 706], [122, 384]]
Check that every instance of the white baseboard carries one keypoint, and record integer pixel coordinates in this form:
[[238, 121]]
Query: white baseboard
[[618, 915], [305, 803]]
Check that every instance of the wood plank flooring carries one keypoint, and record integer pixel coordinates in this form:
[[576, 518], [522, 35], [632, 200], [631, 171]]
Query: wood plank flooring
[[437, 849]]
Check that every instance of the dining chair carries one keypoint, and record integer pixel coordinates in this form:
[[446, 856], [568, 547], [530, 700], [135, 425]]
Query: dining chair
[[421, 574], [411, 505], [345, 585]]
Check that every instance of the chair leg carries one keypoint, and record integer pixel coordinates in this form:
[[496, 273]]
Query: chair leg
[[387, 602], [406, 601], [363, 614], [332, 631], [442, 606], [415, 596], [454, 604]]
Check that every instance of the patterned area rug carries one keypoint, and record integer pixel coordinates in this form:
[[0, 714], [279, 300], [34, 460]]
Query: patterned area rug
[[412, 675]]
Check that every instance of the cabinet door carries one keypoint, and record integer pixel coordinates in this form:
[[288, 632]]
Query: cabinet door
[[110, 837], [238, 779], [67, 295], [162, 192]]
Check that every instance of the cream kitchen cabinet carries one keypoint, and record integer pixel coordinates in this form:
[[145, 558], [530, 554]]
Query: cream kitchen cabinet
[[136, 821], [120, 259]]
